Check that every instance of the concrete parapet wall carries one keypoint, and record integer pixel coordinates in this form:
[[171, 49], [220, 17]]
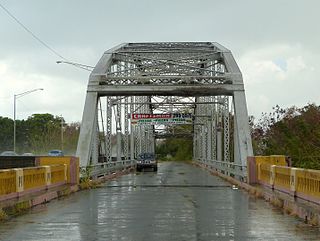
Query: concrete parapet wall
[[18, 182], [71, 162], [278, 160], [8, 181], [297, 182]]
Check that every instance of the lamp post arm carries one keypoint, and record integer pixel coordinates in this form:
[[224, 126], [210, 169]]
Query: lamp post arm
[[25, 93], [78, 65]]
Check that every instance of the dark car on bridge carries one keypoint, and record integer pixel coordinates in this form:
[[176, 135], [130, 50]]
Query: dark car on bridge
[[147, 160]]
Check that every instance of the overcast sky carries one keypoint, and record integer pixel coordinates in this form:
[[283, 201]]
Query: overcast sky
[[275, 42]]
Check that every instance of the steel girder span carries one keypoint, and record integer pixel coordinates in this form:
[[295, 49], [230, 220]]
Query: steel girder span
[[201, 78]]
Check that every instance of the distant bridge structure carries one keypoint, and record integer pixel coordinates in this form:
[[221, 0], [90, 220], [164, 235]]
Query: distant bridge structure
[[199, 78]]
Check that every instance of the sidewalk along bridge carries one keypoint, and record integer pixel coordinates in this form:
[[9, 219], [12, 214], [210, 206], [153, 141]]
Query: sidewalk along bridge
[[159, 83]]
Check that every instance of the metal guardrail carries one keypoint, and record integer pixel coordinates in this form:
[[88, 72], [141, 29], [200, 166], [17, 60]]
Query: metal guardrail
[[106, 168], [225, 167]]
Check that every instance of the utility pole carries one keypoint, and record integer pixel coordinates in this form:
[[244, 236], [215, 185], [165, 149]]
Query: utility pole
[[62, 122]]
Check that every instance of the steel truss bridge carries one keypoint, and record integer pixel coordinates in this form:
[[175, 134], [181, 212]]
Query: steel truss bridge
[[201, 78]]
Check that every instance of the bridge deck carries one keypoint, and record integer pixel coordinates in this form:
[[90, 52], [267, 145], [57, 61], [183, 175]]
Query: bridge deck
[[180, 202]]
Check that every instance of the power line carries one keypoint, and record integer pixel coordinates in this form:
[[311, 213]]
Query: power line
[[82, 66], [31, 33]]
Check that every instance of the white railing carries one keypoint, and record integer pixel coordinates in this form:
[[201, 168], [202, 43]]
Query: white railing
[[225, 167], [106, 168]]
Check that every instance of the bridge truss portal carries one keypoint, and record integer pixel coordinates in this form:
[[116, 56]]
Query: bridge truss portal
[[201, 78]]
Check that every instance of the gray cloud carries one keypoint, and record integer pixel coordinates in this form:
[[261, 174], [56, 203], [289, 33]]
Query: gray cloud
[[82, 30]]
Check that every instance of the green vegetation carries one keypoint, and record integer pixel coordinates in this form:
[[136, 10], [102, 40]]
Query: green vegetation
[[176, 149], [3, 215], [39, 134], [293, 131]]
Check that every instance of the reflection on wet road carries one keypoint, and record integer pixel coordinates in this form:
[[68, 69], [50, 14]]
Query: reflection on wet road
[[180, 202]]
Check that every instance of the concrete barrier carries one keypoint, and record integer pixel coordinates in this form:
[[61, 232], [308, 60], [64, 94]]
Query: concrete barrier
[[297, 182], [8, 182], [18, 182], [71, 162], [278, 160]]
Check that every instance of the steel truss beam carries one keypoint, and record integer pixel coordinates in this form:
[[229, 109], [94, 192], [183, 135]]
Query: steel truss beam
[[201, 78], [167, 90]]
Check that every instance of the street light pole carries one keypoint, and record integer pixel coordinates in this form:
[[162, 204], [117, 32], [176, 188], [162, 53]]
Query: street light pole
[[14, 123], [15, 97]]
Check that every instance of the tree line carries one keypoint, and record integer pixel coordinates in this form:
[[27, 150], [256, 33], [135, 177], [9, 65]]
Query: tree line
[[38, 134], [293, 131], [176, 149]]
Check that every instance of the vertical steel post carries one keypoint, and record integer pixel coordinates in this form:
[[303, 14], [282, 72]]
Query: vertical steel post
[[226, 129], [214, 129], [118, 129], [132, 130], [219, 131], [109, 130], [209, 130], [95, 140]]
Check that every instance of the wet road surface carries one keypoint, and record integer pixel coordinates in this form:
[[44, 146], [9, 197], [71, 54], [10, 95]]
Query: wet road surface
[[180, 202]]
